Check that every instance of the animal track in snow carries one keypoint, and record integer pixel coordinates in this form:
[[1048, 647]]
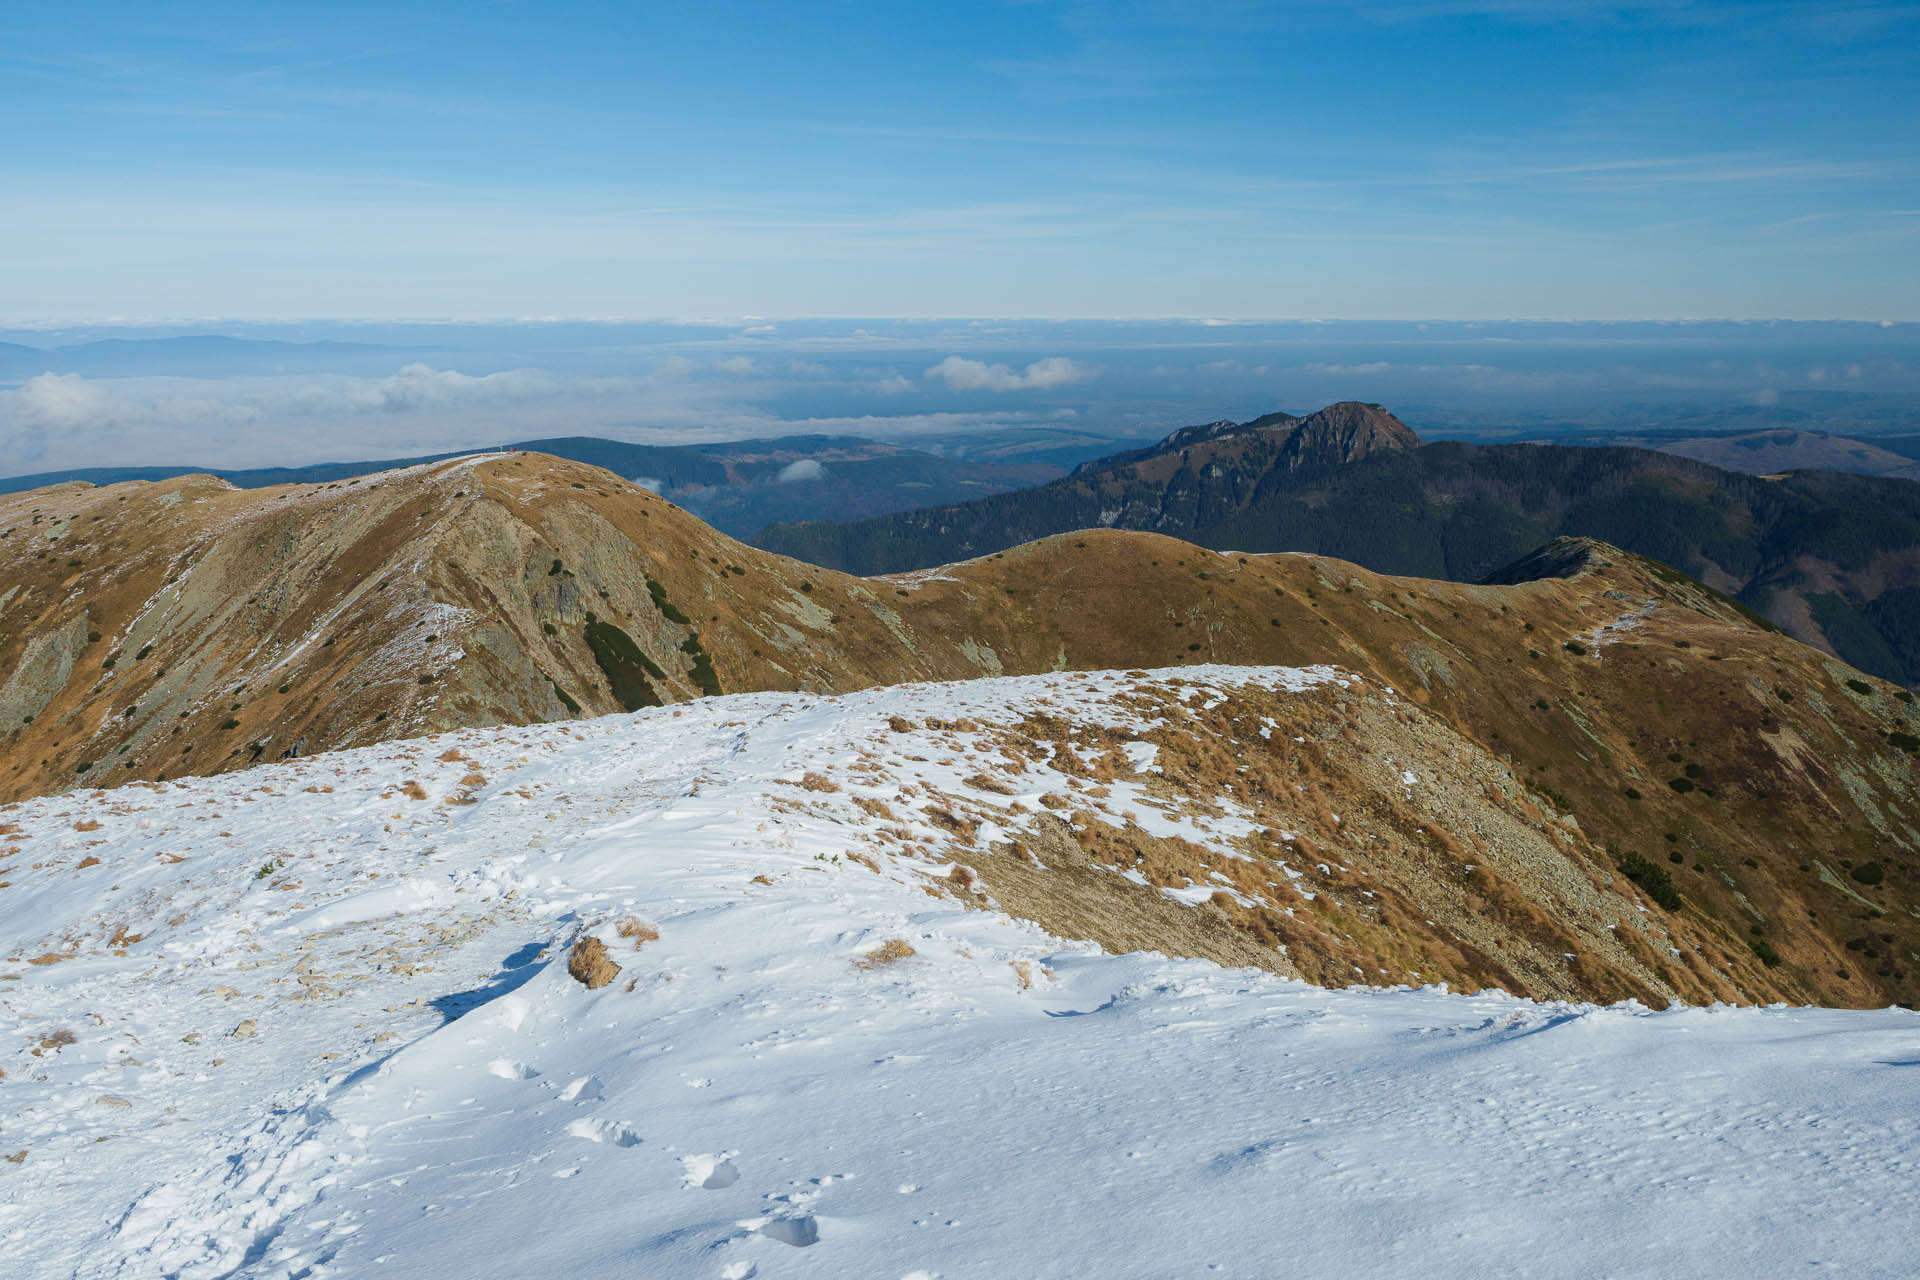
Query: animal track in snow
[[612, 1132], [709, 1172], [584, 1089], [799, 1231]]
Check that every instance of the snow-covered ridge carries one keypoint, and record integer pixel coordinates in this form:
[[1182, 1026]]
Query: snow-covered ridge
[[315, 1019]]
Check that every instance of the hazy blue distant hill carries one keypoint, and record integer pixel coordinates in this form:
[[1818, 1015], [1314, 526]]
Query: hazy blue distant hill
[[199, 355], [739, 487]]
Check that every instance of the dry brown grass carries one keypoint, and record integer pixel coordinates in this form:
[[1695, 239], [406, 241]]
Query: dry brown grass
[[888, 952], [985, 782], [450, 755], [638, 930], [961, 875], [1023, 973], [900, 724], [861, 858], [413, 790], [877, 808], [818, 782], [963, 828], [474, 779], [46, 958], [87, 824], [590, 965], [88, 861]]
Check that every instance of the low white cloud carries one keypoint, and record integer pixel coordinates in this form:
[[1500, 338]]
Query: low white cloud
[[962, 374], [421, 386], [676, 366], [895, 385], [61, 402], [807, 368], [652, 484], [800, 472], [735, 364], [1764, 397]]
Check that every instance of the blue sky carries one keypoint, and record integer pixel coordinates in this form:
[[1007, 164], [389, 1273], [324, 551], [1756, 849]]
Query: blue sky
[[1395, 159]]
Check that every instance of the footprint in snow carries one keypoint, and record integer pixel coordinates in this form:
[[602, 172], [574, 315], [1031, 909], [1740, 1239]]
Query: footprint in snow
[[585, 1089], [709, 1172], [800, 1231], [612, 1132]]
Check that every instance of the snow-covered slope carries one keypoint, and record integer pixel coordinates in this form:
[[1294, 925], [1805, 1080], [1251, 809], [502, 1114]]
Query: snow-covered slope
[[316, 1019]]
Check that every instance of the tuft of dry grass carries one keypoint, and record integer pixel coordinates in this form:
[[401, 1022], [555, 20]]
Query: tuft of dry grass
[[900, 724], [590, 965], [888, 952], [637, 929], [450, 755], [985, 782], [1023, 973], [863, 860], [413, 790], [818, 782], [88, 861], [87, 824], [961, 875], [474, 779], [963, 828]]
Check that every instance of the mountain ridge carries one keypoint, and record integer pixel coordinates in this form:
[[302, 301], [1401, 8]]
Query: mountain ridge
[[191, 628]]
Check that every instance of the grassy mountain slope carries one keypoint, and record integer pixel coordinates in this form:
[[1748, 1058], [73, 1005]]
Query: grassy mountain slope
[[1682, 754], [1832, 558]]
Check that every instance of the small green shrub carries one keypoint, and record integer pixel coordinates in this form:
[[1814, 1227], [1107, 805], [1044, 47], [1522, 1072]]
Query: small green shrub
[[1904, 741], [1633, 793], [550, 629], [1860, 687], [1764, 949], [664, 605], [573, 708], [1869, 873], [229, 723], [1575, 648], [1682, 785], [1653, 878], [141, 656], [1785, 695], [625, 666]]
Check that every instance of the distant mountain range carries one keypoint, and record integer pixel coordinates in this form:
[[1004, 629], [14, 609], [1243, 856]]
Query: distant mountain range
[[1832, 558], [201, 355], [739, 487], [1781, 449]]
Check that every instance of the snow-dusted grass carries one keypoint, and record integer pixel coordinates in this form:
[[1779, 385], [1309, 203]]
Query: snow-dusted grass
[[345, 1043]]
